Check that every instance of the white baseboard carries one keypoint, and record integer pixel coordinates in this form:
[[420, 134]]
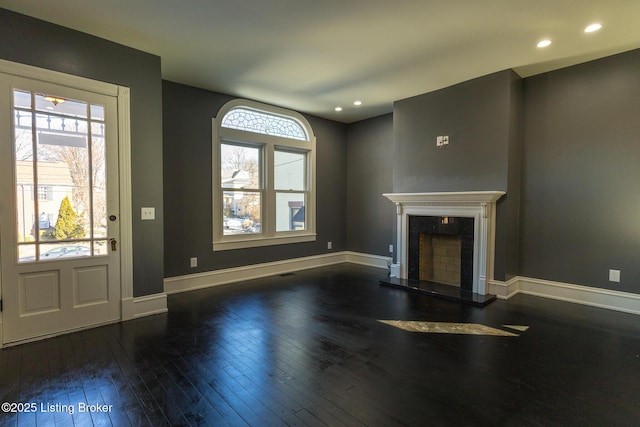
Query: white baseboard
[[596, 297], [503, 290], [368, 260], [149, 304], [127, 309], [230, 275], [131, 308], [157, 303]]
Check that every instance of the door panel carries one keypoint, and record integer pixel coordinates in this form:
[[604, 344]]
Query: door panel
[[59, 188], [39, 292], [91, 286]]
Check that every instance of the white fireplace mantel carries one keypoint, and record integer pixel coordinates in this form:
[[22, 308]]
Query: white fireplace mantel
[[479, 205]]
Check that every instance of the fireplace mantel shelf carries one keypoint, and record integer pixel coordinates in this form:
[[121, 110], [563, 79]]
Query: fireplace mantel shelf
[[445, 197]]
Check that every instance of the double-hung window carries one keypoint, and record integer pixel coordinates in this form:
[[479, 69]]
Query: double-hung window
[[264, 177]]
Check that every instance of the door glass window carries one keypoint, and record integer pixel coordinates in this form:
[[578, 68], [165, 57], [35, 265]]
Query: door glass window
[[60, 175]]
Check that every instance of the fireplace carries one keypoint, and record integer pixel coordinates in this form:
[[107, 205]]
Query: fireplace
[[441, 250], [448, 210]]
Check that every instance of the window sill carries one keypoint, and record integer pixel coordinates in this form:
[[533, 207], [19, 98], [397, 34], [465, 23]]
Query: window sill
[[226, 245]]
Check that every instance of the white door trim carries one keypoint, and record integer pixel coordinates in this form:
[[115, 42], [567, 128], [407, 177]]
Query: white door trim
[[124, 159], [126, 212]]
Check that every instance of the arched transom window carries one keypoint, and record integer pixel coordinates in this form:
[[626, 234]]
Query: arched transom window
[[265, 123], [264, 176]]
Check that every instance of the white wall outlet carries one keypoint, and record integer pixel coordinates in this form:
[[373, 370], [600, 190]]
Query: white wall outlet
[[148, 213], [614, 276], [329, 245], [194, 262], [390, 249]]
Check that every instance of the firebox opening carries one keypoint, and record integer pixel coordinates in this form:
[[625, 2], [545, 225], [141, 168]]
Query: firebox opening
[[440, 259], [441, 250]]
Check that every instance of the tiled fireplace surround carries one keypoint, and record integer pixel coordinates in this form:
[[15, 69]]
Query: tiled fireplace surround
[[441, 250], [480, 206]]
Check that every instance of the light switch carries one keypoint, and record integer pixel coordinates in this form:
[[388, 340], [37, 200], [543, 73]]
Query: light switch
[[148, 214], [614, 276]]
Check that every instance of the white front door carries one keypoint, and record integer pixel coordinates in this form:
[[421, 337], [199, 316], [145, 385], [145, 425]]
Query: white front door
[[59, 213]]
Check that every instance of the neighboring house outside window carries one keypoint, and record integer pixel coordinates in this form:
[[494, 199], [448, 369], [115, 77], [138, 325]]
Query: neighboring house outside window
[[49, 197], [264, 176]]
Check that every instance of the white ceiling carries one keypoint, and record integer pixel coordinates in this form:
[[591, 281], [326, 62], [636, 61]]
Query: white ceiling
[[314, 55]]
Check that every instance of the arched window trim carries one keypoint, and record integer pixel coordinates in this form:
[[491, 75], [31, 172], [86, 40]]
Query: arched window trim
[[267, 144]]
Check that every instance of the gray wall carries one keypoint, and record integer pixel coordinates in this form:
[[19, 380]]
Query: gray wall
[[475, 116], [481, 118], [563, 145], [581, 174], [508, 208], [371, 218], [38, 43], [188, 113]]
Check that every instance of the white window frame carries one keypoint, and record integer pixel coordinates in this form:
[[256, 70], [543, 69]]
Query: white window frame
[[268, 143]]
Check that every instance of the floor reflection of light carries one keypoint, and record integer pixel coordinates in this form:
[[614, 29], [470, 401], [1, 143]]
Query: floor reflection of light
[[244, 340], [451, 328]]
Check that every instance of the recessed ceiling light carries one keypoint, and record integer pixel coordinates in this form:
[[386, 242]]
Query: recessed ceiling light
[[593, 27], [544, 43], [338, 108], [357, 102]]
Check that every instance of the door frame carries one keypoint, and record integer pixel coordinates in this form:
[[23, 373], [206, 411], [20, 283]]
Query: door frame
[[122, 94]]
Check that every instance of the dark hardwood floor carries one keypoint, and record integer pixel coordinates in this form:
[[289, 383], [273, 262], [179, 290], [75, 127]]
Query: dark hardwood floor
[[309, 349]]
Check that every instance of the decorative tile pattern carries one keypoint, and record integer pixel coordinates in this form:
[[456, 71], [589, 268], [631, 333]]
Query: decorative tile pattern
[[520, 328], [447, 328]]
